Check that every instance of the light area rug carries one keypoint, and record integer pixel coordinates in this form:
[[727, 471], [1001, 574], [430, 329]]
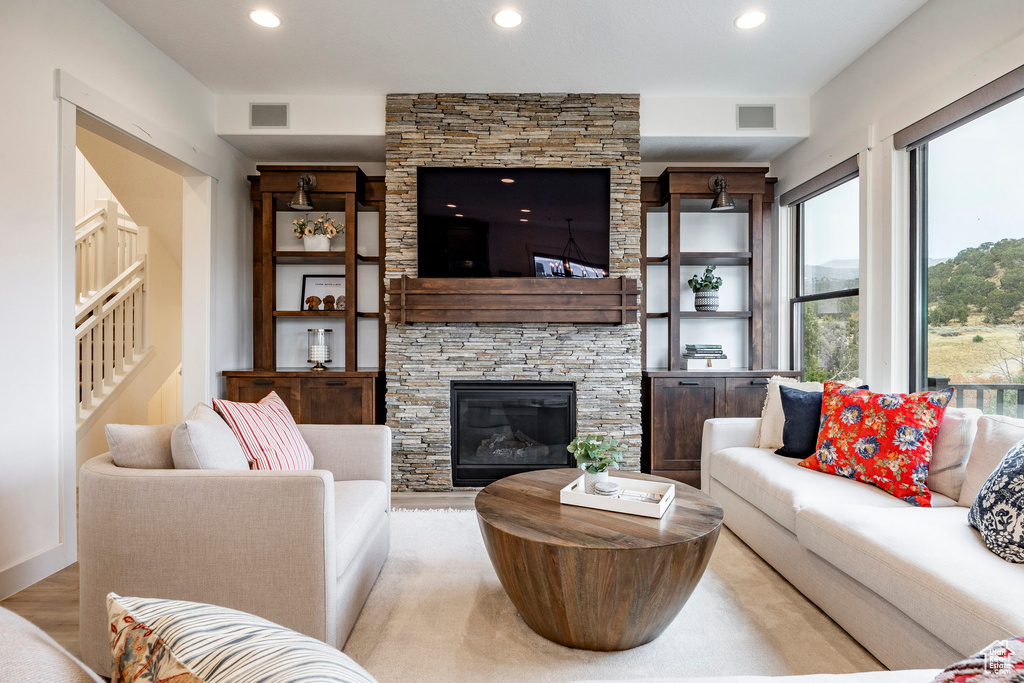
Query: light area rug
[[439, 613]]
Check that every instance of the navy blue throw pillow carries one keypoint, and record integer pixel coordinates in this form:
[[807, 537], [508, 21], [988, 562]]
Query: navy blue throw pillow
[[803, 416], [802, 410]]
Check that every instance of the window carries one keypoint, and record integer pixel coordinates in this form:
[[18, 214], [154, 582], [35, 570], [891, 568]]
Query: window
[[825, 310], [969, 261]]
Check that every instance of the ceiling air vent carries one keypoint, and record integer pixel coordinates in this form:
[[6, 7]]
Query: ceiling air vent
[[755, 117], [268, 115]]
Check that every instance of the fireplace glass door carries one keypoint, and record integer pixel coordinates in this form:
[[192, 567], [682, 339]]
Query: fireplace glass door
[[503, 428]]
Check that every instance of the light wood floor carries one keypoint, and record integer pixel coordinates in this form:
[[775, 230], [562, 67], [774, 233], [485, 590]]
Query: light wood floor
[[52, 604]]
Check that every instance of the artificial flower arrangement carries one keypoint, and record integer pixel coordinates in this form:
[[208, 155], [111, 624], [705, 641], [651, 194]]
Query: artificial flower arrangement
[[325, 225]]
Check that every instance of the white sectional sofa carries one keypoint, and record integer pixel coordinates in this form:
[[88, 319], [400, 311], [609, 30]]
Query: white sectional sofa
[[915, 586]]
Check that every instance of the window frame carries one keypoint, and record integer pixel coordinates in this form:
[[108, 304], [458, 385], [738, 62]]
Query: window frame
[[914, 139], [796, 346]]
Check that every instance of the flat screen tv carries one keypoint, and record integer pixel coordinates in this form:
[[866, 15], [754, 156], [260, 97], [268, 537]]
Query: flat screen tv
[[524, 222]]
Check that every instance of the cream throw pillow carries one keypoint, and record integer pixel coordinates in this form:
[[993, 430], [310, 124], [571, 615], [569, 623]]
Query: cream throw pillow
[[203, 441], [996, 436], [950, 450], [772, 417]]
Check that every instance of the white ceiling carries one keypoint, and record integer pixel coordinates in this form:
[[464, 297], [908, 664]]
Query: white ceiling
[[652, 47]]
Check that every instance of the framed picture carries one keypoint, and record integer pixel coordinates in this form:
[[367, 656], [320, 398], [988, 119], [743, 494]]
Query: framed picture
[[328, 289]]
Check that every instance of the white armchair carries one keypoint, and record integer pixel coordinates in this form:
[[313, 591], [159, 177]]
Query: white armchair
[[300, 548]]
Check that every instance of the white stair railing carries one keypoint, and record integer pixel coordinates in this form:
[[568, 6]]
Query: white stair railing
[[106, 244], [88, 263], [110, 336]]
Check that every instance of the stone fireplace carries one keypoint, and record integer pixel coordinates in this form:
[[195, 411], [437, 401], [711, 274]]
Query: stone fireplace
[[423, 359]]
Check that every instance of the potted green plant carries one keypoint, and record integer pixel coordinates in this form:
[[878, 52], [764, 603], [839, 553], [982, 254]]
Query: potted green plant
[[705, 290], [594, 455]]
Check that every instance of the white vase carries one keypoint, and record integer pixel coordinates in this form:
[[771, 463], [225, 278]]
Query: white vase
[[317, 243], [590, 480]]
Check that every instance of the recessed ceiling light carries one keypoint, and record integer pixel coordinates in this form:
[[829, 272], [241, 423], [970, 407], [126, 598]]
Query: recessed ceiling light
[[451, 206], [508, 18], [524, 220], [265, 18], [751, 19], [507, 180], [458, 215], [525, 210]]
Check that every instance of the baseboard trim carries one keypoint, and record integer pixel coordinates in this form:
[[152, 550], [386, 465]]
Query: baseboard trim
[[20, 576]]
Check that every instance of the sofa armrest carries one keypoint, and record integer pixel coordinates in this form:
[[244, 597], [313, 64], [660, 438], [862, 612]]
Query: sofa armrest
[[258, 541], [351, 452], [725, 432]]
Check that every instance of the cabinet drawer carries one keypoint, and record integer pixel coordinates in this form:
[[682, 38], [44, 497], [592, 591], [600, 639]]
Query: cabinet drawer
[[744, 396], [252, 389], [338, 400], [678, 408]]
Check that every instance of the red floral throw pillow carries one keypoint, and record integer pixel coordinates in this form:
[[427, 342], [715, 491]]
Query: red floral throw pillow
[[880, 439]]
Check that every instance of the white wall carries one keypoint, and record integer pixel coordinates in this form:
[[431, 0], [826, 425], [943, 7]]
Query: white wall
[[943, 51], [83, 37]]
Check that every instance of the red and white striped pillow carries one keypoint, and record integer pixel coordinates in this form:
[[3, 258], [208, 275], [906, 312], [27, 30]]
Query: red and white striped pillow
[[267, 433]]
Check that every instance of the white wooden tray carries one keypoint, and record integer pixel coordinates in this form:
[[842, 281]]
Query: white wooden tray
[[573, 494]]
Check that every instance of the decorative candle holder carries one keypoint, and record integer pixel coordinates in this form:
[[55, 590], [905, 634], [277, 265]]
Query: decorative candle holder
[[319, 348]]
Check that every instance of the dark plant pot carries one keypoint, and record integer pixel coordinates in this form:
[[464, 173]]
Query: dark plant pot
[[706, 300]]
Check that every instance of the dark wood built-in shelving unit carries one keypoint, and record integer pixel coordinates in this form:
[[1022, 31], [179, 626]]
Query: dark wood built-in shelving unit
[[676, 402], [345, 395]]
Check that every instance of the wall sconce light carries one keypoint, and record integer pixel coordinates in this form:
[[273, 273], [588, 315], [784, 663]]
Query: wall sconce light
[[723, 200], [301, 202]]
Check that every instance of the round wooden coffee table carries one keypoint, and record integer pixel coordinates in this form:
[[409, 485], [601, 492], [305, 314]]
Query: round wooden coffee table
[[590, 578]]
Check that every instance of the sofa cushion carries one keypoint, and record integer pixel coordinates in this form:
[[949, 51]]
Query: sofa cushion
[[998, 511], [359, 507], [779, 488], [28, 654], [267, 432], [951, 449], [996, 435], [141, 446], [203, 441], [929, 563], [173, 640], [881, 439]]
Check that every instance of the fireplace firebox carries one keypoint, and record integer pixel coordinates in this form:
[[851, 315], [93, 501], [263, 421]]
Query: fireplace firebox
[[506, 427]]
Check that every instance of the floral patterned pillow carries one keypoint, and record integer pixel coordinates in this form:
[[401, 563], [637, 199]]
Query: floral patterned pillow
[[998, 511], [880, 439]]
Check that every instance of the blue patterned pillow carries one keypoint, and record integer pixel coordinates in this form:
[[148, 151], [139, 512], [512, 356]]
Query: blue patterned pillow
[[188, 642], [998, 511]]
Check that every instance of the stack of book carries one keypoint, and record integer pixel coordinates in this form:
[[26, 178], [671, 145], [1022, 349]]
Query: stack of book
[[705, 357]]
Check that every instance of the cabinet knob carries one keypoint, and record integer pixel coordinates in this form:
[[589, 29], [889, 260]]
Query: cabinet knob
[[263, 382], [759, 382], [689, 383], [335, 382]]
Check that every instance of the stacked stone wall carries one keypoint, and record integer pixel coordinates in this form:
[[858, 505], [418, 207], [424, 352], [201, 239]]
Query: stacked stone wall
[[508, 131]]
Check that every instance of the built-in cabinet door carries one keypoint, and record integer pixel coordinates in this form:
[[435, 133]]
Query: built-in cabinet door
[[252, 389], [744, 397], [337, 401], [678, 409]]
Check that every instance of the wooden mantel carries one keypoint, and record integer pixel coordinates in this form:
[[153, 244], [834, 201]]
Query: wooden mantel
[[612, 301]]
